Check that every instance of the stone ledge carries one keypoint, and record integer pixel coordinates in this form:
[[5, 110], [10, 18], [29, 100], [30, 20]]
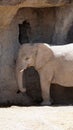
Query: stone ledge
[[35, 3]]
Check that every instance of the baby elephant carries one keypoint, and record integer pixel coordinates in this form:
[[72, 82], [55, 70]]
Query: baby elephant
[[53, 63]]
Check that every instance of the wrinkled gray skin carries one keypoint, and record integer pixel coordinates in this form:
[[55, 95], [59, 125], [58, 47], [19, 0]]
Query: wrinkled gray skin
[[54, 64]]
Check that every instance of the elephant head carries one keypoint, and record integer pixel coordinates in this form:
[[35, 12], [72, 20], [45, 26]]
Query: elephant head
[[26, 58], [27, 55]]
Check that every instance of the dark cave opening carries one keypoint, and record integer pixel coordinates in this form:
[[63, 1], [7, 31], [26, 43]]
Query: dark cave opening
[[70, 35], [24, 32]]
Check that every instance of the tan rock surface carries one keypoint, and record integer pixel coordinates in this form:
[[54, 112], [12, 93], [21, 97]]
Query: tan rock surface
[[7, 12], [35, 2], [36, 118]]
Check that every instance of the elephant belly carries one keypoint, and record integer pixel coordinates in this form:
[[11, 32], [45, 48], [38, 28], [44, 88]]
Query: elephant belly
[[64, 78]]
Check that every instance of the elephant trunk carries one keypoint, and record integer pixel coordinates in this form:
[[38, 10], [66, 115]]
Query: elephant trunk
[[20, 81]]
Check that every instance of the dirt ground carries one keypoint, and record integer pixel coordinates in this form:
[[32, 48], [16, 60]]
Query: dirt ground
[[36, 118]]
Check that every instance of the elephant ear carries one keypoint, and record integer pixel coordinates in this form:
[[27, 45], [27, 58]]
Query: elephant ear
[[44, 55]]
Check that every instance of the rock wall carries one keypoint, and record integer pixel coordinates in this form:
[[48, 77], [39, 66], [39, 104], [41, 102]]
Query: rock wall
[[35, 3], [50, 21]]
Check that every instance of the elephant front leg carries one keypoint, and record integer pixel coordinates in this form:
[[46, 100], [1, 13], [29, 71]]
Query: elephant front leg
[[46, 95], [20, 81], [45, 86]]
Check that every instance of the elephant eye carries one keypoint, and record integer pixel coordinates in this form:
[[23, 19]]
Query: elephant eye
[[26, 58]]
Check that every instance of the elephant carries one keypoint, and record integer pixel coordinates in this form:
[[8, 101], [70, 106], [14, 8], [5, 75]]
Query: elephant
[[53, 63]]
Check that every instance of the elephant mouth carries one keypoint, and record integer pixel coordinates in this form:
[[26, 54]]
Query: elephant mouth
[[31, 80]]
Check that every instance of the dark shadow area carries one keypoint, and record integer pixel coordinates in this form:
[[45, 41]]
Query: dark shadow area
[[24, 32], [31, 80], [24, 101], [61, 95], [70, 35]]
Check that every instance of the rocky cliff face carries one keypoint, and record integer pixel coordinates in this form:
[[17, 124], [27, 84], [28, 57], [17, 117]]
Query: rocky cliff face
[[36, 2], [48, 21]]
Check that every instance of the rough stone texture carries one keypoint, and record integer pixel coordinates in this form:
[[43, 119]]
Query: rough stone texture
[[35, 2], [52, 25], [11, 2]]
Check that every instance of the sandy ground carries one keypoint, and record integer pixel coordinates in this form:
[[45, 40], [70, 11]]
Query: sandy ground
[[36, 118]]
